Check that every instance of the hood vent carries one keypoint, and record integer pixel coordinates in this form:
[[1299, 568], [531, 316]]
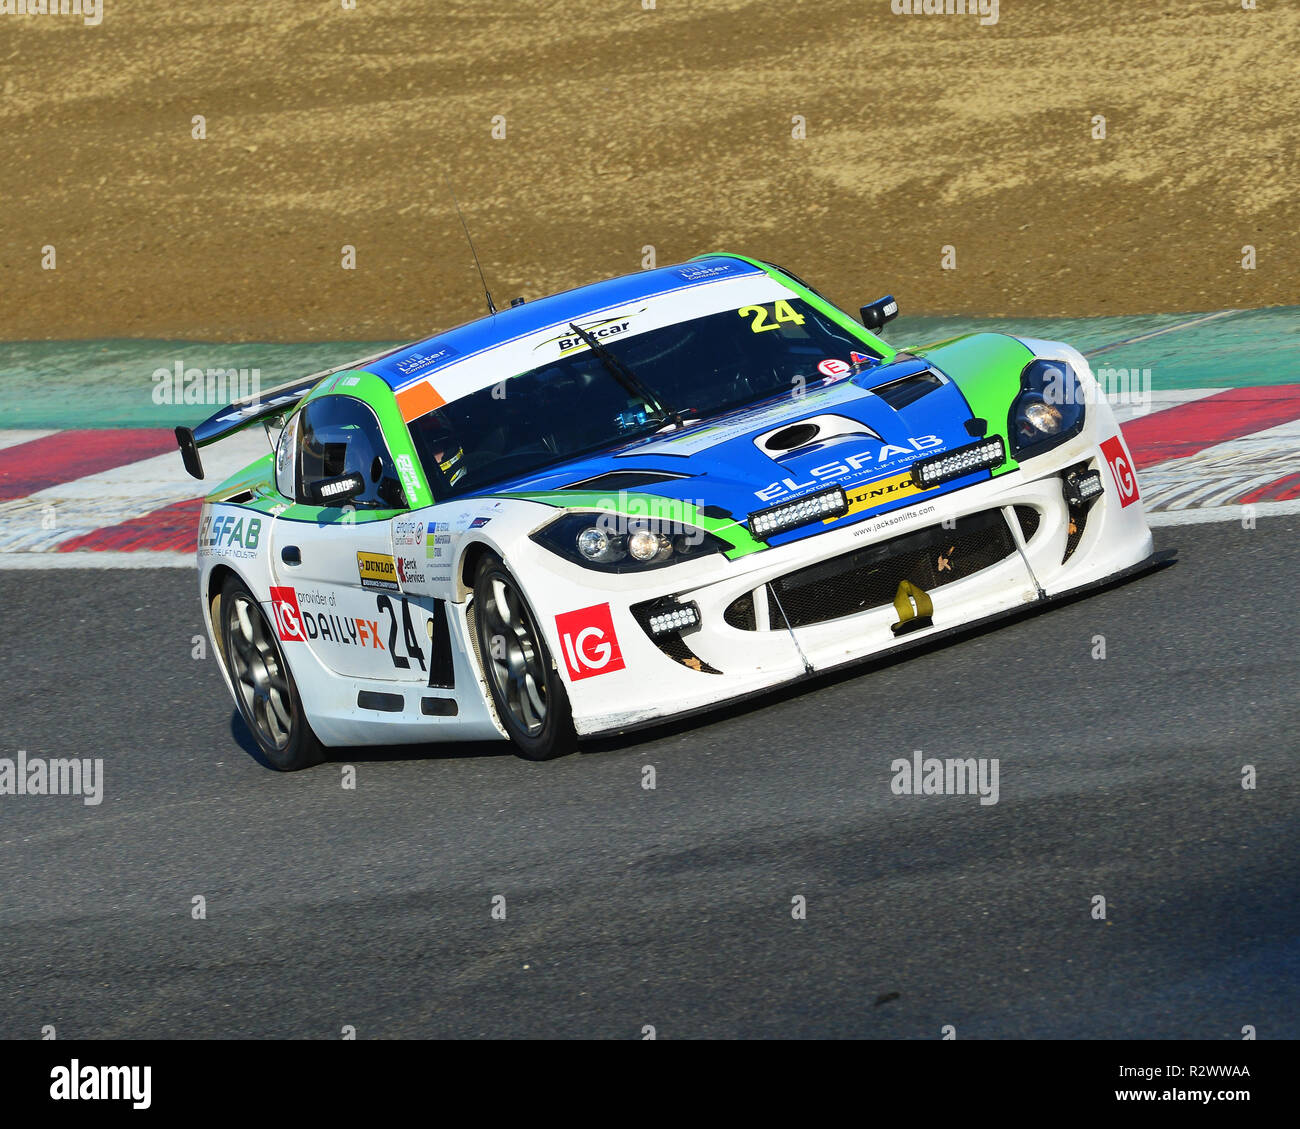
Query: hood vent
[[899, 393], [817, 429], [788, 438], [624, 480]]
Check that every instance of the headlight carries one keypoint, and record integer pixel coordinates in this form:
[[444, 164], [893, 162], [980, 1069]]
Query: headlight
[[1049, 409], [618, 543], [1037, 416]]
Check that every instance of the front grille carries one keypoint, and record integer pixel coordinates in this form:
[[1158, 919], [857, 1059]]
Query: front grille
[[1028, 517], [869, 577], [740, 613]]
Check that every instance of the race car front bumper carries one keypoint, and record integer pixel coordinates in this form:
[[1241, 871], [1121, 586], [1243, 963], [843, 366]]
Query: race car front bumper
[[819, 603]]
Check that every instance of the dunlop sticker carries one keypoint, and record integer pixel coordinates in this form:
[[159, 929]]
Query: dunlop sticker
[[879, 493], [377, 571]]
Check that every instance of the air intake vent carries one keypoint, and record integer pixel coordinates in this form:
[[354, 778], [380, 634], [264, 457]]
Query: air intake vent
[[787, 439], [899, 393], [624, 480]]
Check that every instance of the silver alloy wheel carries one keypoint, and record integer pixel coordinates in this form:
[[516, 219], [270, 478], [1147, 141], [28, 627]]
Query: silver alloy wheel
[[515, 655], [259, 674]]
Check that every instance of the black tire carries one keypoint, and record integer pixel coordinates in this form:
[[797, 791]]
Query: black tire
[[265, 691], [526, 689]]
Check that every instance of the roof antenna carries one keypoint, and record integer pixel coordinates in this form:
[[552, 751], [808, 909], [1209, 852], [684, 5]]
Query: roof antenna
[[482, 278]]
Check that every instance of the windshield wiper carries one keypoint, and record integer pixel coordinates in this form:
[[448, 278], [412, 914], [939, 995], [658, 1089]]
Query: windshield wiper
[[631, 383]]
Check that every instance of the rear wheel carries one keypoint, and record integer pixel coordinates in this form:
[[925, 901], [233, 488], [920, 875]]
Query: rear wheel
[[526, 688], [265, 691]]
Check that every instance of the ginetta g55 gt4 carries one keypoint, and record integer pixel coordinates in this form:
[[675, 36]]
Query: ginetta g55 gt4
[[638, 499]]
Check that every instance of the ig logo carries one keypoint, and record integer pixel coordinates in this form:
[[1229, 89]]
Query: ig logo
[[588, 641], [1121, 469]]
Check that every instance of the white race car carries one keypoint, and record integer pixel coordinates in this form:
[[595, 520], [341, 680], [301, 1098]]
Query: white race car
[[640, 499]]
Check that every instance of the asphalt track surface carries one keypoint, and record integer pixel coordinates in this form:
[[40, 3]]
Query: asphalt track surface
[[672, 907]]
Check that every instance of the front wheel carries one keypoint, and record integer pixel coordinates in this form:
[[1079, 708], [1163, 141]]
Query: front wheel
[[265, 692], [526, 688]]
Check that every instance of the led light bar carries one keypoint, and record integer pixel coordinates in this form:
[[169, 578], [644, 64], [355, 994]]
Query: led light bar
[[673, 617], [1083, 487], [984, 455], [830, 502]]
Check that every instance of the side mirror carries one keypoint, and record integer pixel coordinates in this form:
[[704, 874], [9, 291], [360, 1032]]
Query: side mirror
[[337, 491], [875, 314]]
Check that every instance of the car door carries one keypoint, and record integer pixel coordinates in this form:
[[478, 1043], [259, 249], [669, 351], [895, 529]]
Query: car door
[[337, 578]]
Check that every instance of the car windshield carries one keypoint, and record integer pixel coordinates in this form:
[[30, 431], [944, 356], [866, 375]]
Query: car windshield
[[575, 406]]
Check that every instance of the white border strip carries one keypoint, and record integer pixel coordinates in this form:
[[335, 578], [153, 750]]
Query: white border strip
[[1234, 513]]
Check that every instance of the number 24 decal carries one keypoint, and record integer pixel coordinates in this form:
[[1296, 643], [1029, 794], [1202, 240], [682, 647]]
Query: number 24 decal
[[412, 641], [782, 311]]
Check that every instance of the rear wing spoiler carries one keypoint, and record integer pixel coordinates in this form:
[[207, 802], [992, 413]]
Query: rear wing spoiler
[[266, 405]]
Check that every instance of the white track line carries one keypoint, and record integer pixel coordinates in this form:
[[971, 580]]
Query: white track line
[[1235, 513], [1160, 402], [25, 435], [1161, 332]]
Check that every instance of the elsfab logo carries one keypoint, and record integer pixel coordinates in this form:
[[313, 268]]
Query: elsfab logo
[[588, 641], [229, 536], [851, 466]]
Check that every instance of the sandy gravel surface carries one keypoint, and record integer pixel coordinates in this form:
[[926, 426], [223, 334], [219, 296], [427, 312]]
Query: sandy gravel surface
[[627, 128]]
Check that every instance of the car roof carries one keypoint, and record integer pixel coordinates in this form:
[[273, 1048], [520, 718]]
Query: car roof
[[416, 361]]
